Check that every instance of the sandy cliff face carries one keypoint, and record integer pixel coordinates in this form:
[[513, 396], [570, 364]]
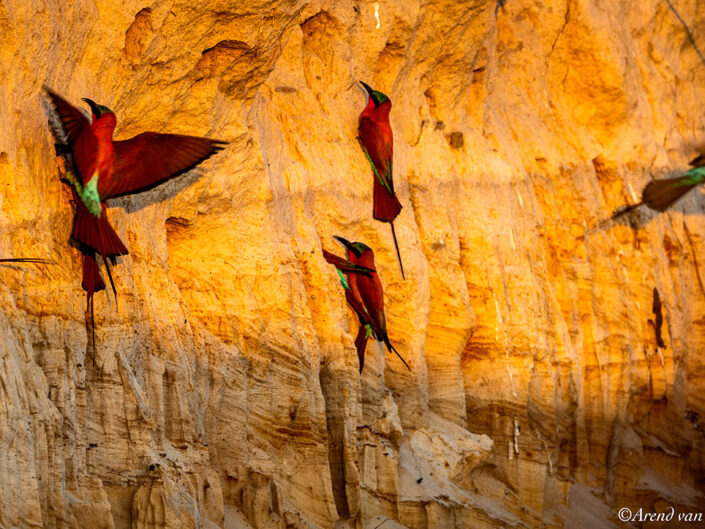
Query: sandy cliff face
[[224, 390]]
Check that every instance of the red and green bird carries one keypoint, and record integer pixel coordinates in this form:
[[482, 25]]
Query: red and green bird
[[364, 293], [344, 268], [660, 195], [378, 144], [109, 169]]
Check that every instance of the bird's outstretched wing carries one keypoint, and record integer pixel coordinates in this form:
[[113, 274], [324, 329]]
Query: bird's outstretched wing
[[151, 158], [346, 266], [72, 119]]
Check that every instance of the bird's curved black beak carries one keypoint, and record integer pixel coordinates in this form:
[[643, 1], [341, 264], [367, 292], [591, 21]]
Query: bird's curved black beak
[[346, 243], [369, 91], [93, 105], [348, 246]]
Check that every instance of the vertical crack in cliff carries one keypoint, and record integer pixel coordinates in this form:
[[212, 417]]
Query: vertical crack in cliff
[[695, 258], [560, 31], [335, 423]]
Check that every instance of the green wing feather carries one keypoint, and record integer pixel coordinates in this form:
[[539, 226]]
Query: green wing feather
[[662, 194], [388, 172], [343, 280], [693, 178]]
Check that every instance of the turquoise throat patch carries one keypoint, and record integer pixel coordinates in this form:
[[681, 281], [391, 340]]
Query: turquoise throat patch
[[90, 197]]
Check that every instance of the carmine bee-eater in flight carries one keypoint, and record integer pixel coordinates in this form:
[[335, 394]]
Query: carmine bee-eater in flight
[[378, 144], [660, 195], [363, 291], [108, 169]]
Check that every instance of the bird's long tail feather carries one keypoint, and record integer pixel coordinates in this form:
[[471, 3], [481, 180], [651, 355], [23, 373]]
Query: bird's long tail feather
[[396, 245], [89, 307], [26, 260], [92, 283], [662, 194], [361, 344], [96, 232], [391, 348], [386, 206], [621, 212]]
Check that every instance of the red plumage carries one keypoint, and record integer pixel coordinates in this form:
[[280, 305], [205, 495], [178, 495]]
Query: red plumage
[[150, 158], [385, 206], [368, 288], [361, 345], [344, 265], [96, 232], [92, 281], [365, 294], [348, 269], [377, 141], [122, 168]]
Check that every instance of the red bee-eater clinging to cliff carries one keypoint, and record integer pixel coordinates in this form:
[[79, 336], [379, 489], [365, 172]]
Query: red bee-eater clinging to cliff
[[344, 269], [378, 144], [363, 291], [109, 169]]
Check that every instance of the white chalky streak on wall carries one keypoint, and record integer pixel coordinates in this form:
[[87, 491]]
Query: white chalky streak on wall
[[511, 238], [631, 192], [548, 453], [377, 14], [516, 435]]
